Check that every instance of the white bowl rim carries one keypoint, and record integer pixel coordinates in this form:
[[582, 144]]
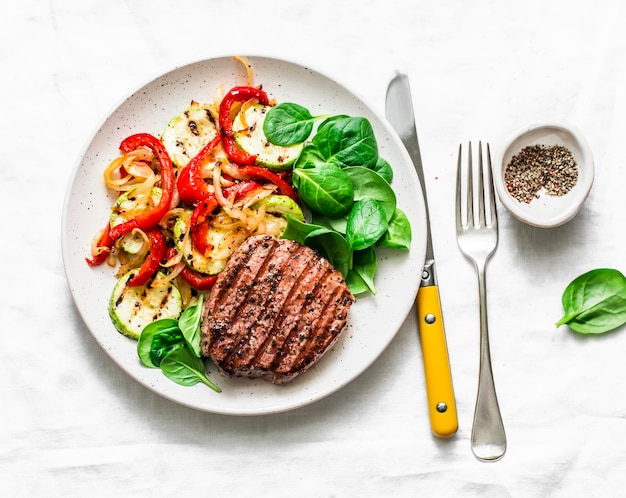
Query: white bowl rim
[[532, 213]]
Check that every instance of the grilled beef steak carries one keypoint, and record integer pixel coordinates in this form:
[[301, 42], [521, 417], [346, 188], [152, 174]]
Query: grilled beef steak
[[277, 307]]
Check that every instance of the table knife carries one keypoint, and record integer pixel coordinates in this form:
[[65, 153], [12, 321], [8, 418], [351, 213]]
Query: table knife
[[437, 372]]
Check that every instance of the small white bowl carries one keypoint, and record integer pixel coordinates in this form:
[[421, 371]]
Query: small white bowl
[[547, 211]]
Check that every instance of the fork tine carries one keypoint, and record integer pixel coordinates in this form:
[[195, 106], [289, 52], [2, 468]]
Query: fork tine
[[492, 195], [459, 220], [470, 186], [481, 187]]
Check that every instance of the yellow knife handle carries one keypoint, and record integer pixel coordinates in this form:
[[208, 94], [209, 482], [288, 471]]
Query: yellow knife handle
[[439, 389]]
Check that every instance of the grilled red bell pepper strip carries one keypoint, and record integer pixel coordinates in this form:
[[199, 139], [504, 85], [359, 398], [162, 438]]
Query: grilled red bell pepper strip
[[258, 172], [234, 153], [149, 218], [241, 189], [191, 187], [200, 224], [153, 260], [237, 94], [105, 243], [196, 279]]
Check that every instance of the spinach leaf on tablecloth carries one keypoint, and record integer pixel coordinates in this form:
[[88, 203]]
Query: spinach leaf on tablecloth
[[595, 302]]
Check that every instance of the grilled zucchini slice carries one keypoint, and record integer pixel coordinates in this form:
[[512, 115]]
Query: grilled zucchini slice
[[188, 132], [249, 136], [210, 264], [132, 308], [124, 205], [281, 205]]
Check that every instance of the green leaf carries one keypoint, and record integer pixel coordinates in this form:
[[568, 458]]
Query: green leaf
[[366, 224], [336, 223], [327, 241], [368, 183], [347, 141], [164, 343], [355, 283], [365, 264], [182, 367], [168, 337], [595, 302], [325, 188], [398, 235], [288, 124], [189, 324], [298, 230], [309, 157], [383, 168], [333, 246]]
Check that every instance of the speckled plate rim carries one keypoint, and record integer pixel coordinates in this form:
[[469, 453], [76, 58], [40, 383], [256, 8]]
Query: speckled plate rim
[[374, 320]]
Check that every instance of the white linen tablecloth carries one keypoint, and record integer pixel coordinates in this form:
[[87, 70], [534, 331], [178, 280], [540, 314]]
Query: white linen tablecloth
[[74, 424]]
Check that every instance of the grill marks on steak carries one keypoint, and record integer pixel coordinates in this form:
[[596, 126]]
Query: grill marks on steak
[[276, 308], [256, 317]]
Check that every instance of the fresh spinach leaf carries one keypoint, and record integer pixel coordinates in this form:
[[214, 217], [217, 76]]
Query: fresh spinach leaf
[[330, 119], [332, 245], [366, 224], [164, 343], [398, 235], [368, 183], [182, 367], [383, 168], [309, 157], [355, 283], [157, 339], [325, 188], [288, 124], [347, 141], [189, 324], [595, 302], [364, 264], [337, 223], [324, 239], [298, 230]]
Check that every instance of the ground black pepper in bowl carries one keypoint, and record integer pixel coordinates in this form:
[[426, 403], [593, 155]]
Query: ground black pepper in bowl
[[538, 168], [543, 173]]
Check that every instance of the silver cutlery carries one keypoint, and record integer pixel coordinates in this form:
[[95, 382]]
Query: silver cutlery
[[438, 377], [477, 237]]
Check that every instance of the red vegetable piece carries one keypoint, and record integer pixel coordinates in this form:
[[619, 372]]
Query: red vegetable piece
[[199, 224], [237, 94], [234, 153], [194, 278], [258, 172], [153, 260], [191, 187], [198, 280], [149, 218], [241, 189]]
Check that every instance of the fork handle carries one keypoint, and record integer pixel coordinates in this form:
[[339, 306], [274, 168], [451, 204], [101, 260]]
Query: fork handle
[[488, 435]]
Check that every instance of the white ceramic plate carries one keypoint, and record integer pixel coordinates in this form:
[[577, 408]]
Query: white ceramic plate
[[373, 321]]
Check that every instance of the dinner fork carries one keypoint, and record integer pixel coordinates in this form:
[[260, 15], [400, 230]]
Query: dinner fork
[[477, 237]]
